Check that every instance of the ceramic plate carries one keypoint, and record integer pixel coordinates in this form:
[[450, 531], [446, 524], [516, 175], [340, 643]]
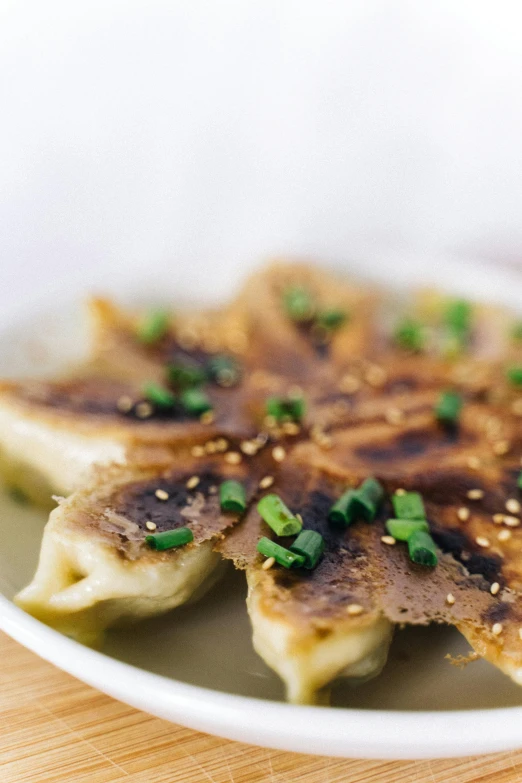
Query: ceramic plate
[[196, 666]]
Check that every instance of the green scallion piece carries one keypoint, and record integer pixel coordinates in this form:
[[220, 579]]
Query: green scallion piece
[[447, 409], [195, 401], [232, 496], [410, 335], [299, 304], [402, 529], [278, 516], [422, 549], [310, 545], [514, 375], [458, 316], [289, 408], [224, 370], [185, 374], [159, 396], [409, 506], [170, 538], [153, 326], [519, 481], [368, 498], [343, 511], [281, 555], [331, 319], [516, 331]]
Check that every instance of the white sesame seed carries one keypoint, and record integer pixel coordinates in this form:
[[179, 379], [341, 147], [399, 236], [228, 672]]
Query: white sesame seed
[[497, 629], [207, 417], [233, 458], [482, 541], [375, 376], [210, 447], [520, 633], [349, 384], [192, 482], [291, 428], [394, 416], [504, 535], [161, 494], [475, 494], [498, 518], [388, 540], [494, 589], [150, 525], [124, 403], [248, 447], [463, 514], [266, 482], [354, 609], [400, 492], [269, 562], [450, 599], [221, 444], [144, 410], [511, 521], [474, 463], [513, 506], [501, 447], [278, 453], [197, 451]]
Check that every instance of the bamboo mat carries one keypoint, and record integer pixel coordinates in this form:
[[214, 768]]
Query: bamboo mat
[[54, 728]]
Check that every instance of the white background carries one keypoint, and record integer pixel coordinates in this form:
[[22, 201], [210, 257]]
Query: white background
[[198, 133]]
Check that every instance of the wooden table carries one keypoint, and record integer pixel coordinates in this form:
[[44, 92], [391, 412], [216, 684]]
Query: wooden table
[[55, 728]]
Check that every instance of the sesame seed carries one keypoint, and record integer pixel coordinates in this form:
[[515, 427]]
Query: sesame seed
[[375, 376], [248, 447], [498, 518], [150, 525], [450, 599], [475, 494], [266, 482], [473, 463], [520, 633], [291, 428], [513, 506], [494, 589], [197, 451], [278, 453], [270, 422], [400, 491], [207, 417], [349, 384], [161, 494], [482, 541], [388, 540], [192, 482], [511, 521], [394, 416], [354, 609], [144, 410], [210, 447], [463, 514], [269, 562], [233, 458], [497, 629], [504, 535], [221, 444], [212, 490], [501, 447], [124, 403]]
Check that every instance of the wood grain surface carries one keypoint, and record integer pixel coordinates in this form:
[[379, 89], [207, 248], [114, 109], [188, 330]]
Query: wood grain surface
[[55, 728]]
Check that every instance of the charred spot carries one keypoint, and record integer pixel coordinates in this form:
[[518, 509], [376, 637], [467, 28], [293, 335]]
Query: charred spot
[[496, 613], [456, 543], [138, 502], [413, 443]]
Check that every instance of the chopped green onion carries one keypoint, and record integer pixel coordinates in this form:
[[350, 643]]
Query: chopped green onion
[[342, 513], [158, 395], [514, 375], [195, 401], [185, 374], [447, 409], [224, 370], [516, 331], [286, 408], [278, 516], [458, 316], [422, 548], [310, 545], [170, 538], [519, 480], [232, 496], [281, 555], [332, 319], [368, 498], [410, 335], [299, 304], [409, 506], [402, 529], [153, 326]]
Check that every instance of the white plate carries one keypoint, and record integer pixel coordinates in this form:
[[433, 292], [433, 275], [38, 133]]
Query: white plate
[[196, 666]]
